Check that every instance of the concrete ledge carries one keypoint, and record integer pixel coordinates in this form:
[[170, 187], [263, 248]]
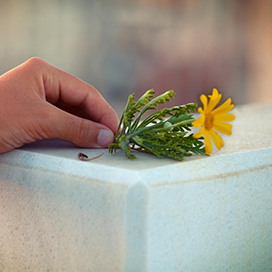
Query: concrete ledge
[[112, 214]]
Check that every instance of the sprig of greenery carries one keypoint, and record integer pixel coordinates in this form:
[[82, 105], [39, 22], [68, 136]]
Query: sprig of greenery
[[164, 132]]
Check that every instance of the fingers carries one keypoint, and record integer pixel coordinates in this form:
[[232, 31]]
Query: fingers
[[79, 131], [41, 101], [63, 88]]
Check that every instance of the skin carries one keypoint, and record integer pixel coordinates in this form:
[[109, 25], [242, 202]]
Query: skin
[[40, 101]]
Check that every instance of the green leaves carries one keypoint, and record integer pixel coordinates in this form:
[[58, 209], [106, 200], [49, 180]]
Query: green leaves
[[164, 132]]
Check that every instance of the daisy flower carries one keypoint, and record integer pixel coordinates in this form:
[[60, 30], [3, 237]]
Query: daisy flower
[[214, 119]]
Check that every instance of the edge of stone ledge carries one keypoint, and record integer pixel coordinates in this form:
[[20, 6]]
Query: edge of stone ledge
[[63, 166], [215, 168]]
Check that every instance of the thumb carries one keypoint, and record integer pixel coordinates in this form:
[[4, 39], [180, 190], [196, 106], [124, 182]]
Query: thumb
[[78, 131]]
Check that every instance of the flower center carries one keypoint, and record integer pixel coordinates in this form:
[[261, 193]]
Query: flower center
[[209, 119]]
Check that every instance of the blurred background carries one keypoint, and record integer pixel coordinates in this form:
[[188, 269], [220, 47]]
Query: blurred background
[[126, 46]]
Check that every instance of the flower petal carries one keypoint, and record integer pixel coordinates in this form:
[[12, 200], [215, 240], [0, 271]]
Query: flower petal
[[199, 133], [218, 141], [200, 110], [199, 122], [224, 117], [204, 100], [208, 142], [225, 107], [214, 100], [214, 93], [222, 127]]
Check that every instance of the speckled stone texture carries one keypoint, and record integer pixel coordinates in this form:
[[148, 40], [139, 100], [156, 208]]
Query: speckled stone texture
[[157, 215]]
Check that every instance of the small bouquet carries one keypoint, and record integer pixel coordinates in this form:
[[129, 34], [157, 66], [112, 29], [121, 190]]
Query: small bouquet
[[167, 132]]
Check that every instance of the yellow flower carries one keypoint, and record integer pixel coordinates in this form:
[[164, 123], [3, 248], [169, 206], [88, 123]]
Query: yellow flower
[[212, 120]]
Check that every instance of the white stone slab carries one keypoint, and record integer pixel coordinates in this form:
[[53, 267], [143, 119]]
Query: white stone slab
[[113, 214]]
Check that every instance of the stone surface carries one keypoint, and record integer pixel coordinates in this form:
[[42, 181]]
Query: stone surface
[[155, 215]]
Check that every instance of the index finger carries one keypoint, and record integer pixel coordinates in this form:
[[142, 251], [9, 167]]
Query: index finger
[[62, 86]]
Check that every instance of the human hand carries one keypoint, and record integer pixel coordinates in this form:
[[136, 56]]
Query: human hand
[[39, 101]]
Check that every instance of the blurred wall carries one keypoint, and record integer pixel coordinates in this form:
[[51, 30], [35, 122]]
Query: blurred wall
[[125, 46]]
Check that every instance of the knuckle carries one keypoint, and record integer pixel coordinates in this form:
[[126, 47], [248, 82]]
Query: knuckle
[[84, 133], [34, 62], [43, 127]]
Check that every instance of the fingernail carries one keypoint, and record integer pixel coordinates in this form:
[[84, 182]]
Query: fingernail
[[105, 137]]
